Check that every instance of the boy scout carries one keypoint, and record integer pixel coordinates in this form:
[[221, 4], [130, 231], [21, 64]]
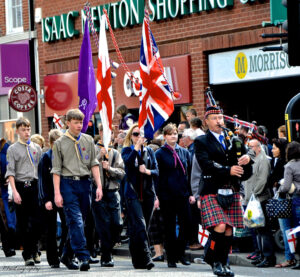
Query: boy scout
[[23, 157], [107, 212], [74, 159]]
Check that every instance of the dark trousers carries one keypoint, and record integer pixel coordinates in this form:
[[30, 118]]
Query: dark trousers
[[264, 236], [171, 209], [52, 251], [139, 216], [108, 222], [76, 197], [195, 221], [28, 219]]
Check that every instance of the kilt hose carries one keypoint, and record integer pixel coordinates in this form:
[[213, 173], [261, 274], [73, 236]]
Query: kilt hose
[[212, 214]]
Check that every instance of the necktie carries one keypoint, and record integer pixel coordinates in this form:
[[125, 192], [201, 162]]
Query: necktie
[[176, 157], [221, 140], [28, 150], [77, 145]]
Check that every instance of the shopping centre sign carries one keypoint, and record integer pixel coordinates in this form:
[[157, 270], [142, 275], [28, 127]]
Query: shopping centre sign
[[249, 65], [127, 13]]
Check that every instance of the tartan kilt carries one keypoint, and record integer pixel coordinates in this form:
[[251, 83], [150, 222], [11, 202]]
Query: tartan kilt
[[212, 214]]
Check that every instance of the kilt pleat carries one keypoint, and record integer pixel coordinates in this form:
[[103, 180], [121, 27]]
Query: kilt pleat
[[213, 214]]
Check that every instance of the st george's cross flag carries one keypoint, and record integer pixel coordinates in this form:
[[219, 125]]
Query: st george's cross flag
[[156, 103], [202, 235], [103, 86], [57, 121]]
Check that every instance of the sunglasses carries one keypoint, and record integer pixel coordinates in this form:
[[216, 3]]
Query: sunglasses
[[135, 134]]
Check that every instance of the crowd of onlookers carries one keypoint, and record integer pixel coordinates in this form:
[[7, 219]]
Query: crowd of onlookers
[[168, 224]]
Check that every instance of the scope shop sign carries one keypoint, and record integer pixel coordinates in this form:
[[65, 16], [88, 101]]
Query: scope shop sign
[[249, 65]]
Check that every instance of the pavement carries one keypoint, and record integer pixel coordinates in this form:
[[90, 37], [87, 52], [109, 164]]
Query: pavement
[[238, 259], [14, 266]]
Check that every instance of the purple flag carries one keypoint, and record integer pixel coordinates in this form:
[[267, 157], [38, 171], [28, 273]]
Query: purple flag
[[86, 79]]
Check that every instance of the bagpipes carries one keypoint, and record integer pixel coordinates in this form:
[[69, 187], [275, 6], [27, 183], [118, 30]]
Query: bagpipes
[[229, 135]]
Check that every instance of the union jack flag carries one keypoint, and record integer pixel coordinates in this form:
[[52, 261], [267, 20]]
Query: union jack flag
[[156, 103]]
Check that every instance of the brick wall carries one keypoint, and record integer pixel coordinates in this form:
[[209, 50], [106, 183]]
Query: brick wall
[[195, 35]]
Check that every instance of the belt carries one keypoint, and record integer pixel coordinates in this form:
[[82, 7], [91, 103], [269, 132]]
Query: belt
[[27, 183], [76, 178]]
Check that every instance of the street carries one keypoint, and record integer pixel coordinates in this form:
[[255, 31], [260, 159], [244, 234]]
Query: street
[[15, 267]]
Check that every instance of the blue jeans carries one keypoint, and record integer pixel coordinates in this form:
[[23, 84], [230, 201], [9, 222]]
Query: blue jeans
[[296, 218], [77, 201], [286, 224]]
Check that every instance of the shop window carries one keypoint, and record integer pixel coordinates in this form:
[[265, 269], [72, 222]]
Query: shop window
[[14, 16]]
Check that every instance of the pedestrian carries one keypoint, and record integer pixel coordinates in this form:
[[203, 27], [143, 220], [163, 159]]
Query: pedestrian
[[46, 199], [7, 215], [292, 176], [22, 171], [74, 159], [107, 212], [174, 194], [190, 114], [125, 117], [257, 184], [222, 172], [140, 196]]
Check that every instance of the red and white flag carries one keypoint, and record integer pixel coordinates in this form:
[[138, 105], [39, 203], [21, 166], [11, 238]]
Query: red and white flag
[[292, 240], [103, 86], [57, 121], [203, 235]]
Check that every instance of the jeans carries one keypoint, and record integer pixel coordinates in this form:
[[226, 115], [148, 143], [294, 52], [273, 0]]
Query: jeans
[[286, 224], [108, 221], [296, 218], [76, 197]]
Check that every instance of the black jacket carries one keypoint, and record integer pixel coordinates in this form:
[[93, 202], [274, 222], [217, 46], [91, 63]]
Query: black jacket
[[216, 162]]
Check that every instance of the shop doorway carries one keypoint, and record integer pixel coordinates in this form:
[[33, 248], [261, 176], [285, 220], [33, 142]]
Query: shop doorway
[[262, 101]]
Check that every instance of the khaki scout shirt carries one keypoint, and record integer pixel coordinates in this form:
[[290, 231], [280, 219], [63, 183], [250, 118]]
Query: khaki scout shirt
[[19, 165], [65, 160], [116, 171]]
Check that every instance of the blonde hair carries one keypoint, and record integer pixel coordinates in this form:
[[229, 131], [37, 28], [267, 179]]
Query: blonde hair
[[38, 139], [54, 134], [127, 140], [169, 129]]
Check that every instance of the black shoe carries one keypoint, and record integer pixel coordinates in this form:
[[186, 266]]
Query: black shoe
[[267, 262], [228, 271], [150, 265], [158, 258], [218, 269], [93, 261], [257, 261], [109, 263], [71, 265], [54, 266], [84, 265], [296, 266], [184, 261], [9, 253], [172, 264]]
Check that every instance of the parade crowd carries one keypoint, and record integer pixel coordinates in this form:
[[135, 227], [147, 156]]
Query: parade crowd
[[159, 191]]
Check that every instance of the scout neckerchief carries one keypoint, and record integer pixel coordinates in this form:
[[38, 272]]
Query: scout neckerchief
[[176, 157], [76, 145], [27, 144]]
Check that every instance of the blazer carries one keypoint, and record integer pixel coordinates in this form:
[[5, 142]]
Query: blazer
[[216, 162], [172, 182], [130, 158]]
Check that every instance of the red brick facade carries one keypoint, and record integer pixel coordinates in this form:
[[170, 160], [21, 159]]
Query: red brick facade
[[196, 35]]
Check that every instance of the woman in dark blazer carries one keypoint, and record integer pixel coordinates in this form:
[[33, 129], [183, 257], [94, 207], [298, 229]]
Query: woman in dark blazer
[[174, 193], [141, 168]]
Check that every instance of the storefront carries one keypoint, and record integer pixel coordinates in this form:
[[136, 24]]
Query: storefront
[[188, 34], [15, 69], [255, 85]]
